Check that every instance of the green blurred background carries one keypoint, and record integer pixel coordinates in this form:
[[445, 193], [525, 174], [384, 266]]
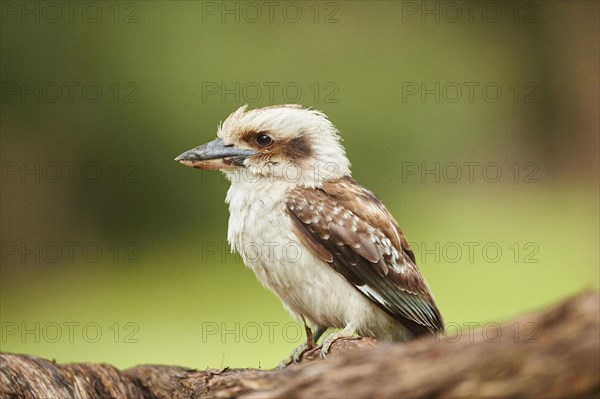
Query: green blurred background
[[112, 252]]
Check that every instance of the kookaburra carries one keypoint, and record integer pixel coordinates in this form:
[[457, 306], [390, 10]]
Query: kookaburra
[[328, 247]]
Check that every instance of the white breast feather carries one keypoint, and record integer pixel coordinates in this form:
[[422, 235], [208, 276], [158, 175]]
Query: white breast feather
[[306, 285]]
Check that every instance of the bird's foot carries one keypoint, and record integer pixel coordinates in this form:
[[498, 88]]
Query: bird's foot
[[311, 341], [295, 357], [347, 333]]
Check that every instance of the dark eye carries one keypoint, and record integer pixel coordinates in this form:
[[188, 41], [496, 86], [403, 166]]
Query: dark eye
[[263, 140]]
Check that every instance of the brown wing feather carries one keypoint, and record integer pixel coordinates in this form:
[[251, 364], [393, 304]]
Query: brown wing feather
[[349, 228]]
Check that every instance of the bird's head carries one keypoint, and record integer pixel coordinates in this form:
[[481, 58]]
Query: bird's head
[[284, 142]]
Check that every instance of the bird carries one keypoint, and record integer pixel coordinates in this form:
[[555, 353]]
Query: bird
[[323, 243]]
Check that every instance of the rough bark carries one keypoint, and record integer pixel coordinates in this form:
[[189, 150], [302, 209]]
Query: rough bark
[[555, 353]]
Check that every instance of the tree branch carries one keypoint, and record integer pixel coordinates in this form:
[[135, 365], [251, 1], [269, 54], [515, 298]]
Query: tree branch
[[555, 353]]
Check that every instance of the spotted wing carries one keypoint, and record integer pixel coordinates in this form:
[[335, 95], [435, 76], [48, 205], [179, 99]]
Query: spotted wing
[[349, 228]]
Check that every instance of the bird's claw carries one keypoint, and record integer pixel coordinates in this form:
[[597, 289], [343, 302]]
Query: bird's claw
[[327, 342], [295, 357]]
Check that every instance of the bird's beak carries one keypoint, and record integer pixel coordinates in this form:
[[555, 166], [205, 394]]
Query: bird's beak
[[215, 155]]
